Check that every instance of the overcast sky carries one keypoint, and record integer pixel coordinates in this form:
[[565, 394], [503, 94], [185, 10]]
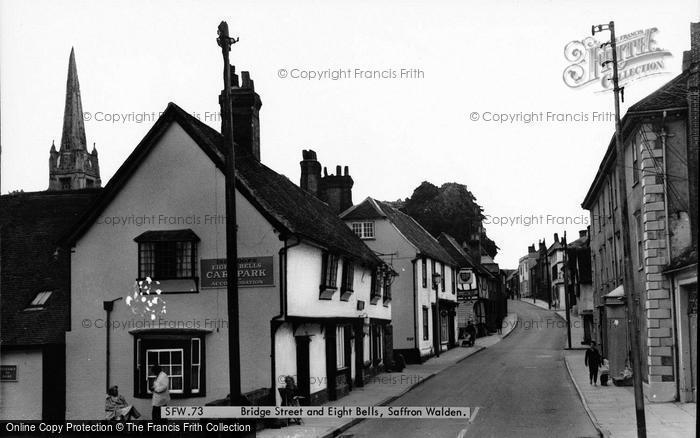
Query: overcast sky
[[476, 57]]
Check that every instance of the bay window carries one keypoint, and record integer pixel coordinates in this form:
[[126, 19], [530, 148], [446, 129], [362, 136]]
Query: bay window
[[180, 356]]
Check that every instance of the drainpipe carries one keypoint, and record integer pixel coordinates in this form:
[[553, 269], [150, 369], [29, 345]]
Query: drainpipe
[[108, 306], [676, 361], [415, 310], [278, 320]]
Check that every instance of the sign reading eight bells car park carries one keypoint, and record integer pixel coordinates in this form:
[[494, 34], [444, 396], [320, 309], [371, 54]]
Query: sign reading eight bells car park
[[252, 272]]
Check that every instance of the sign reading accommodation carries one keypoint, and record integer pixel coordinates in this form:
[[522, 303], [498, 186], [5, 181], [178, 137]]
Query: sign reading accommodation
[[252, 271], [8, 373]]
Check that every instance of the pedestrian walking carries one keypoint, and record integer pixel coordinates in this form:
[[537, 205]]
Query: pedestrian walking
[[593, 361], [161, 391]]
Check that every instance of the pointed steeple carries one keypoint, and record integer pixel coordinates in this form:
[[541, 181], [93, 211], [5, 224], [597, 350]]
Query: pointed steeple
[[72, 167], [73, 137]]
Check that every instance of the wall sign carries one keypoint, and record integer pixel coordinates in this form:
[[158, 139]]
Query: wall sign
[[8, 373], [252, 272], [467, 295]]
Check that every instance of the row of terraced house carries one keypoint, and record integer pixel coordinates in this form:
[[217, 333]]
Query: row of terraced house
[[330, 293]]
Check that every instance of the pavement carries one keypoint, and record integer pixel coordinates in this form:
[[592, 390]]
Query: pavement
[[520, 386], [576, 322], [611, 408], [385, 388]]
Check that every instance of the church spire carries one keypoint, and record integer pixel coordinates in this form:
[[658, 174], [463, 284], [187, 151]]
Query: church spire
[[73, 126], [72, 167]]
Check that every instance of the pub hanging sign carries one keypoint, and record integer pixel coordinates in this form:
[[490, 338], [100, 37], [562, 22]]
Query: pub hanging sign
[[252, 272]]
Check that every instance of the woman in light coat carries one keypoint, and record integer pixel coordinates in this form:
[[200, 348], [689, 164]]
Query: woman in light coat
[[161, 391]]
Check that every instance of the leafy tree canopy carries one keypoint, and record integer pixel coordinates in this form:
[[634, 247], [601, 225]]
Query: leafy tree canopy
[[452, 209]]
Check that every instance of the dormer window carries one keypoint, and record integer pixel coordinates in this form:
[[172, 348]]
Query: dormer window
[[39, 301], [329, 276], [170, 257], [363, 230]]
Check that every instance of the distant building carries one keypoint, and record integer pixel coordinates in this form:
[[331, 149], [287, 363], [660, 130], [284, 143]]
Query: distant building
[[512, 283], [479, 301], [555, 261], [35, 272], [578, 255], [525, 265], [72, 166], [424, 314], [660, 136]]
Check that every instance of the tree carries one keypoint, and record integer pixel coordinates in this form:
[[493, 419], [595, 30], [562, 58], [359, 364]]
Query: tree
[[451, 209]]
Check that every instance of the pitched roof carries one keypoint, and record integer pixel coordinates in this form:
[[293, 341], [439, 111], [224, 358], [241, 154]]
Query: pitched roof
[[290, 209], [417, 235], [671, 96], [30, 226], [455, 250]]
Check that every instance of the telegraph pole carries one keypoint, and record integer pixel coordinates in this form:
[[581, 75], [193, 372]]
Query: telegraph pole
[[567, 302], [234, 354], [628, 283]]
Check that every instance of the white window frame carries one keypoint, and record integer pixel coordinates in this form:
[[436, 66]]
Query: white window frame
[[340, 361], [363, 230], [169, 366], [197, 365]]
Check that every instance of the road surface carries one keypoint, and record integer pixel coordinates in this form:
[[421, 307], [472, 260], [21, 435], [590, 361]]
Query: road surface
[[521, 386]]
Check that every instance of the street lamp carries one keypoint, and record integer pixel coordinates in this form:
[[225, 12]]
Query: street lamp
[[437, 279]]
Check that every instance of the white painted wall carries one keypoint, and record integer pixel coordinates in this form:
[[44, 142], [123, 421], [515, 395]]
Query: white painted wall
[[22, 400], [304, 277], [407, 314], [177, 180]]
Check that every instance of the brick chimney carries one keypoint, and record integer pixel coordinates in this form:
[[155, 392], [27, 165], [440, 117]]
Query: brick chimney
[[693, 65], [336, 190], [310, 172], [556, 237], [245, 104]]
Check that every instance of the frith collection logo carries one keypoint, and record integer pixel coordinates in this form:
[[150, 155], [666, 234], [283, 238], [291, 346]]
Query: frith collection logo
[[638, 56]]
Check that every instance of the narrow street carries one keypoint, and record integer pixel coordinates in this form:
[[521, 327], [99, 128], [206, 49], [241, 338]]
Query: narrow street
[[521, 386]]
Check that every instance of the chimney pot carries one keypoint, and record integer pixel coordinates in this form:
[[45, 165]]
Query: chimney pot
[[245, 80], [347, 171], [337, 171]]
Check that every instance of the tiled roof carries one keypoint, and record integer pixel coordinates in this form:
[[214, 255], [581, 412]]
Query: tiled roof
[[289, 208], [673, 94], [455, 250], [30, 226], [417, 235]]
